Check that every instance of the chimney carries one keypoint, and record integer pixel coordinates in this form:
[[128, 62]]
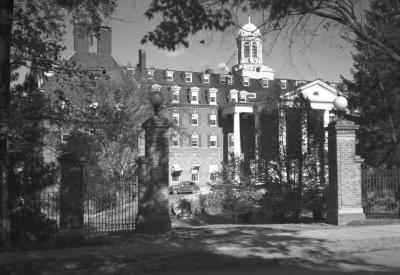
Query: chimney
[[81, 39], [142, 61], [104, 41]]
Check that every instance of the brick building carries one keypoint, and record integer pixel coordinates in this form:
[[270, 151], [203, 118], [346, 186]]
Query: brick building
[[215, 115]]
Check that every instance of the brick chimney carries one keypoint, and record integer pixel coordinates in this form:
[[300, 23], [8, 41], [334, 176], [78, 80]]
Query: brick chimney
[[104, 41], [142, 61], [81, 39]]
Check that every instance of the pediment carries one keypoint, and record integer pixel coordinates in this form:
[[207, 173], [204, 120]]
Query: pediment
[[316, 91]]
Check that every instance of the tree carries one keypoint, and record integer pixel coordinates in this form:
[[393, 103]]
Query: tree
[[181, 18], [375, 89], [31, 35]]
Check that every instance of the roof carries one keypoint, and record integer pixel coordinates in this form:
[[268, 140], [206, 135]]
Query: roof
[[249, 29]]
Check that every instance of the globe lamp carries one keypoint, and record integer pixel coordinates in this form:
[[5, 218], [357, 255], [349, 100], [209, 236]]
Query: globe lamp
[[340, 103], [156, 99]]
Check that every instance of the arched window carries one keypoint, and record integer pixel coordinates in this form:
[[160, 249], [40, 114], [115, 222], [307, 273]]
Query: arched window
[[246, 47], [254, 50]]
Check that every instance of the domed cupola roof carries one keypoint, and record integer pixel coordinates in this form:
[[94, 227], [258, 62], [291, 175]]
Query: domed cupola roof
[[249, 29]]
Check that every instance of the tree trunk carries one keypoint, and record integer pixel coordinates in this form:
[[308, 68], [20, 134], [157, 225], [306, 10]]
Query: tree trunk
[[6, 15]]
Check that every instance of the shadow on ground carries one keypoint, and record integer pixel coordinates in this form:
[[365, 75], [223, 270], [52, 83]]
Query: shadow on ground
[[217, 249]]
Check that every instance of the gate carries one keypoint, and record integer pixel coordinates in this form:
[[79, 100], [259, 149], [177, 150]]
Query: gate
[[110, 205], [381, 192]]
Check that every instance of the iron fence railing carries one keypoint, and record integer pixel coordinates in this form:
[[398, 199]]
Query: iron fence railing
[[381, 192]]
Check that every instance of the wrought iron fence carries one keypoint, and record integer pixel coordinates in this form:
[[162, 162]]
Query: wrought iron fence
[[381, 192], [35, 217], [110, 206]]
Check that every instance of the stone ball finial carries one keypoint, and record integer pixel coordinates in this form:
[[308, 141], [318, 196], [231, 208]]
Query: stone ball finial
[[156, 99], [340, 103]]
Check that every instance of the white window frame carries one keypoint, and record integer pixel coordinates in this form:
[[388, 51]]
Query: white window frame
[[194, 93], [175, 137], [195, 170], [233, 94], [175, 118], [243, 96], [188, 77], [150, 73], [64, 138], [283, 84], [213, 117], [246, 81], [246, 49], [175, 93], [254, 54], [176, 168], [213, 138], [195, 137], [206, 78], [212, 93], [195, 116], [229, 80], [169, 75], [213, 169], [299, 82]]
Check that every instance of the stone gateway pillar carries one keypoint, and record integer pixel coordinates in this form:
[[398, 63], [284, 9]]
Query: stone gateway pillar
[[153, 214], [344, 192]]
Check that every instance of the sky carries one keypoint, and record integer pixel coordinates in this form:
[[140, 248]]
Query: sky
[[327, 58]]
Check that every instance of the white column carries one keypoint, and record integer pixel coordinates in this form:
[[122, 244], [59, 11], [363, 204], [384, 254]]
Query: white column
[[236, 135], [326, 117]]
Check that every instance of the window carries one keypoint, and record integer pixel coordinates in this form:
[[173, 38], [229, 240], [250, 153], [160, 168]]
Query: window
[[195, 172], [233, 96], [175, 93], [194, 95], [130, 71], [299, 82], [155, 87], [254, 49], [206, 78], [213, 141], [188, 77], [195, 120], [195, 140], [213, 168], [246, 81], [212, 93], [175, 140], [264, 83], [150, 74], [65, 138], [333, 85], [283, 84], [175, 118], [169, 75], [176, 172], [229, 80], [243, 96], [246, 50], [213, 120], [231, 141]]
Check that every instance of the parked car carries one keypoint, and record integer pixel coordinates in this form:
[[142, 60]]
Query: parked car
[[184, 187]]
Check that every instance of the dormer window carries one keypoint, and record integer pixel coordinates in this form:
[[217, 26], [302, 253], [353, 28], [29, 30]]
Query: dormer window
[[150, 74], [264, 83], [175, 93], [194, 95], [206, 78], [188, 77], [246, 81], [299, 82], [283, 84], [169, 75], [155, 87], [243, 96], [233, 95], [333, 85], [212, 94], [229, 80], [130, 71]]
